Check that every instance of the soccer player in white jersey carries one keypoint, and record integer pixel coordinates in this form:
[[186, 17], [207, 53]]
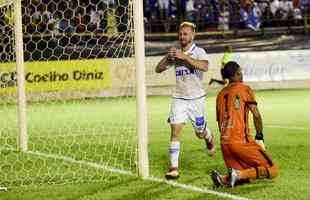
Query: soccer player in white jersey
[[188, 99]]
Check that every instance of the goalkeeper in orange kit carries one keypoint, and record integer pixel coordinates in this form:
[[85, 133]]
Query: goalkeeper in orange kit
[[244, 157]]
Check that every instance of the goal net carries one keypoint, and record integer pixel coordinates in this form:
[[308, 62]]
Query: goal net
[[80, 90]]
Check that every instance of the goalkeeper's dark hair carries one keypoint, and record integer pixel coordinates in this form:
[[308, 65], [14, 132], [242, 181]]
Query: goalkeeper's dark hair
[[230, 69]]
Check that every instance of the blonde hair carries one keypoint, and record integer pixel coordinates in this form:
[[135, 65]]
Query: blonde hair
[[188, 24]]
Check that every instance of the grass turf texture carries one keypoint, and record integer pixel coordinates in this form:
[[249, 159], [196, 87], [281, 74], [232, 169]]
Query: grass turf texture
[[286, 127]]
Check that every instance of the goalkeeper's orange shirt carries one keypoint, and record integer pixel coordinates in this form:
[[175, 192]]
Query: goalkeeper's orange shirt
[[232, 112]]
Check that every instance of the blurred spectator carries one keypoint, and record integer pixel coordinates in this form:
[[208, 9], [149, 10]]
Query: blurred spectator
[[153, 8], [190, 11], [304, 3], [214, 13], [201, 7], [274, 7], [251, 16], [95, 19], [47, 20], [56, 27], [211, 17], [286, 8], [36, 18], [234, 13], [79, 23], [65, 21], [305, 7], [172, 15], [79, 19], [172, 11], [263, 6], [296, 3], [296, 11], [163, 6], [297, 14], [181, 6], [245, 3], [223, 19]]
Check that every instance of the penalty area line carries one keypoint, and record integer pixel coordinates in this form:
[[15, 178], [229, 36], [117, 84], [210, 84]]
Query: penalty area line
[[153, 179]]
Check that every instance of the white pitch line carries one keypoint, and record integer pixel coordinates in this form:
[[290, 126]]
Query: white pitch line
[[72, 160], [288, 127], [120, 171]]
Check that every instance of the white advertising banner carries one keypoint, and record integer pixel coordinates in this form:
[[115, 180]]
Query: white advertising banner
[[275, 65]]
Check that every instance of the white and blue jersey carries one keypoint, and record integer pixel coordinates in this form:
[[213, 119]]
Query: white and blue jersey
[[189, 82]]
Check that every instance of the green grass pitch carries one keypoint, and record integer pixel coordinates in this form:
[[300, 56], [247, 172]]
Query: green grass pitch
[[285, 113]]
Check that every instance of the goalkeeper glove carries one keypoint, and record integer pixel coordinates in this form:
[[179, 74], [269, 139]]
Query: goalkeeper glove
[[259, 139]]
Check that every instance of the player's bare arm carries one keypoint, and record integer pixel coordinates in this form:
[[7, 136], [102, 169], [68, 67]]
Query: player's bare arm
[[166, 61], [258, 123], [192, 63], [259, 137]]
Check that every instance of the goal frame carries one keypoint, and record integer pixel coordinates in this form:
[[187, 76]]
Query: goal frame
[[141, 106]]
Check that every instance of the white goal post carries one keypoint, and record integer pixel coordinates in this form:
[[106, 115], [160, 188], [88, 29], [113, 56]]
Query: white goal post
[[20, 69], [141, 89]]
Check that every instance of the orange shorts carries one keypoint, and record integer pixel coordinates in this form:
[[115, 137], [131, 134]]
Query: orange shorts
[[245, 155]]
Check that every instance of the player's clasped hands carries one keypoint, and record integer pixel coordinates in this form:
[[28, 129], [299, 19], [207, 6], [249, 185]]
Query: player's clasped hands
[[174, 53]]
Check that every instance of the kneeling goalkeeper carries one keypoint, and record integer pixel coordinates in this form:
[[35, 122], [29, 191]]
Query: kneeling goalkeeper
[[244, 157]]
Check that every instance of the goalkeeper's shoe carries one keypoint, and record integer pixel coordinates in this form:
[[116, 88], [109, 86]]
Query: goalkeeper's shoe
[[233, 177], [217, 179], [210, 143], [4, 189], [172, 174]]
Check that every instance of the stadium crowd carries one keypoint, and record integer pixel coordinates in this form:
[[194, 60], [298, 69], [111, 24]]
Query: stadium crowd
[[75, 16], [79, 16], [225, 14]]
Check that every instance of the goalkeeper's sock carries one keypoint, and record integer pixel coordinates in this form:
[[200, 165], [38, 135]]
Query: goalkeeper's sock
[[174, 152], [250, 173], [259, 173]]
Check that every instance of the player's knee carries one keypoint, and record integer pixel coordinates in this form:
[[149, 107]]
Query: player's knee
[[174, 136], [273, 171], [175, 132]]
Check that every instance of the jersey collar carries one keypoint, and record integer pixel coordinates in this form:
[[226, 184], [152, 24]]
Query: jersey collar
[[191, 49]]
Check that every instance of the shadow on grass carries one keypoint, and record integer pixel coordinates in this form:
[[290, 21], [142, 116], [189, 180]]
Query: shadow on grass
[[248, 187]]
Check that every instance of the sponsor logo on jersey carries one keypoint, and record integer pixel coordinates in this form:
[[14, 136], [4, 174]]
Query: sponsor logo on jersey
[[200, 121]]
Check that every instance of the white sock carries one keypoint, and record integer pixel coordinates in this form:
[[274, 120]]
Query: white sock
[[174, 152]]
